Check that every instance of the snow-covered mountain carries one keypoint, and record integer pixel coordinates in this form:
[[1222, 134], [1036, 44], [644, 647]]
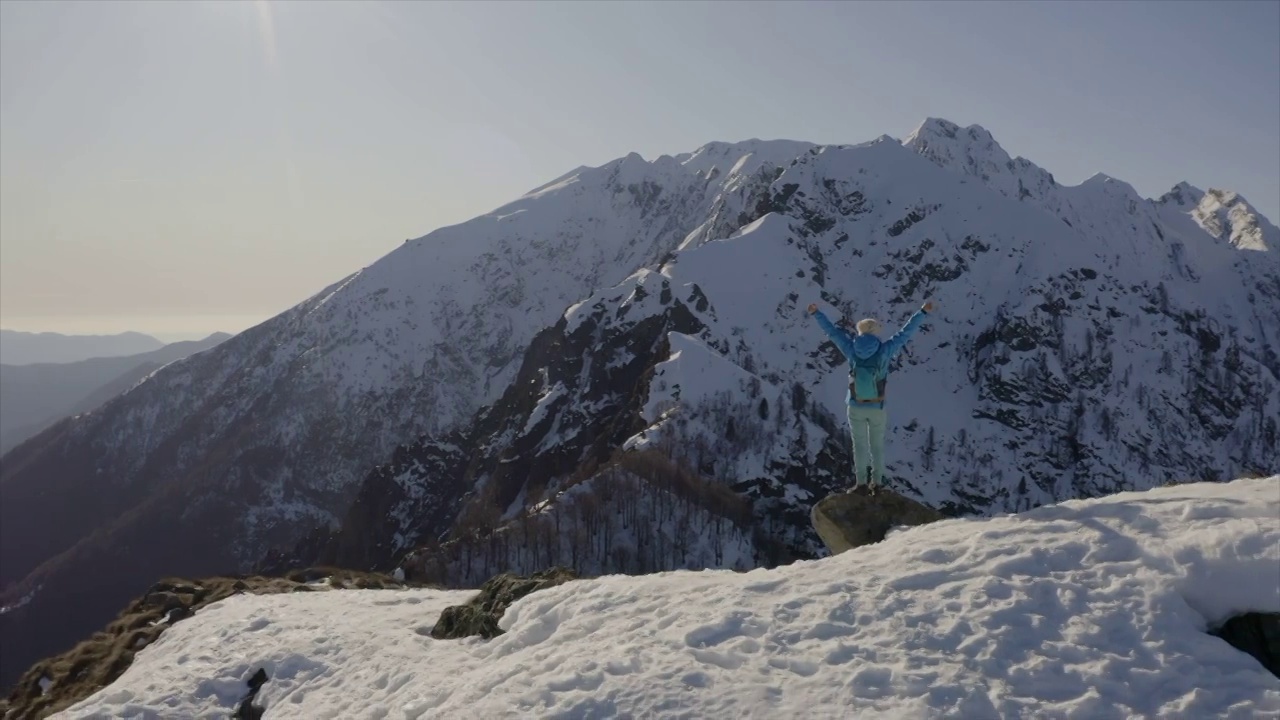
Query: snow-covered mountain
[[1098, 608], [1085, 336], [1067, 356]]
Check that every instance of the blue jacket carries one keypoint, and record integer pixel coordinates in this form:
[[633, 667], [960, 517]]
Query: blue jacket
[[864, 346]]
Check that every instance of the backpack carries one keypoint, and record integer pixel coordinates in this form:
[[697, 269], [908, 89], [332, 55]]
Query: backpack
[[869, 376]]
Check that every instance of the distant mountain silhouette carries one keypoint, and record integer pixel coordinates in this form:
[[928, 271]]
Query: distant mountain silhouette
[[33, 397], [24, 348]]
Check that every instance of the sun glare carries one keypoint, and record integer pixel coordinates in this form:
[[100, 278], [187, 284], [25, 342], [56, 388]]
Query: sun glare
[[266, 28]]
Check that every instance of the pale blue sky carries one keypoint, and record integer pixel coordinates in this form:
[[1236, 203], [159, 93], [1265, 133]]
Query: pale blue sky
[[180, 168]]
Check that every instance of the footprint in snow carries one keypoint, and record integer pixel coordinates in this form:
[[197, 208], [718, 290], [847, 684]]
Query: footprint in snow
[[872, 682], [765, 587], [803, 668], [736, 624], [697, 680]]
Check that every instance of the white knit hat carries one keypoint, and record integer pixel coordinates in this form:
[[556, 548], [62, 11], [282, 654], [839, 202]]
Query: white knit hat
[[869, 327]]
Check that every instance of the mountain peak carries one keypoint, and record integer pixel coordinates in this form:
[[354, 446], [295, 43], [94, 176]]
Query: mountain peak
[[974, 152], [1182, 195], [940, 128], [970, 150], [1108, 184], [1229, 216], [935, 126]]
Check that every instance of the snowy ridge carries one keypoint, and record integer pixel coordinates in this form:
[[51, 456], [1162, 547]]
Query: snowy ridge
[[973, 152], [1085, 609], [742, 159]]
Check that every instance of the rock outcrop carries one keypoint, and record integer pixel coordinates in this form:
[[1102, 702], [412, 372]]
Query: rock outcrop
[[246, 710], [852, 519], [1257, 634], [480, 616]]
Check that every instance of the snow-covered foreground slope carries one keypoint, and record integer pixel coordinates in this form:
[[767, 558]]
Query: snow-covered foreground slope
[[1092, 609]]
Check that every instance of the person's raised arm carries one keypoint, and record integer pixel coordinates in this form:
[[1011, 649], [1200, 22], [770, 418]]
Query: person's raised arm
[[895, 344], [838, 336]]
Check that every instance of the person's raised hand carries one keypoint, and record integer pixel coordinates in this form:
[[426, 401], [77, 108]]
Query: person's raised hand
[[813, 308]]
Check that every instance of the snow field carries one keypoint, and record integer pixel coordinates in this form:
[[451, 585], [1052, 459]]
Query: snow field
[[1088, 609]]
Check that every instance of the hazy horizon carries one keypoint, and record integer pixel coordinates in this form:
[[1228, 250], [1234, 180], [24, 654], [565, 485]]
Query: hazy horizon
[[179, 169], [165, 329]]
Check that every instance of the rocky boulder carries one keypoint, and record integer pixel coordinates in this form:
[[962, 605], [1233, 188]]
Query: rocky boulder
[[246, 710], [1257, 634], [480, 616], [852, 519]]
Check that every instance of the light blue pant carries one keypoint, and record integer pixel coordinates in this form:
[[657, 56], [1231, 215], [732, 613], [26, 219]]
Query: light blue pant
[[866, 426]]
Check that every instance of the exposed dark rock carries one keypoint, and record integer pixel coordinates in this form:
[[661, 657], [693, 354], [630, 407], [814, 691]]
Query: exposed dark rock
[[480, 616], [246, 710], [912, 218], [854, 519], [1257, 634]]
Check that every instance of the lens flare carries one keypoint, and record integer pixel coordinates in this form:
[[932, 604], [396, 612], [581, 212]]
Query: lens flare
[[267, 29]]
